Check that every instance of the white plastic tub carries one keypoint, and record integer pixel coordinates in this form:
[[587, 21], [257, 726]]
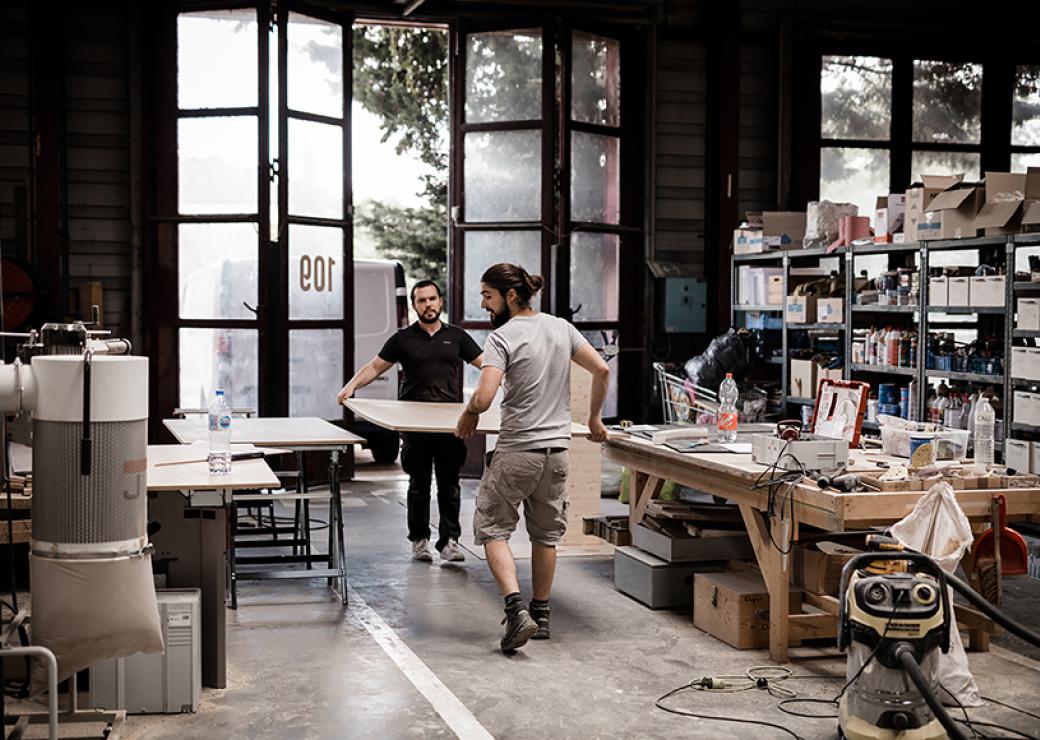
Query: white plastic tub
[[950, 444]]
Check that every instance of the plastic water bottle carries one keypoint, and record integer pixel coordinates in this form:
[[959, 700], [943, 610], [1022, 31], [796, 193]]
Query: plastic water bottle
[[985, 421], [728, 409], [219, 435]]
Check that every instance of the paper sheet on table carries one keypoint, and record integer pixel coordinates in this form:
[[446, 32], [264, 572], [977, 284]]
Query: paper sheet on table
[[738, 447], [641, 428]]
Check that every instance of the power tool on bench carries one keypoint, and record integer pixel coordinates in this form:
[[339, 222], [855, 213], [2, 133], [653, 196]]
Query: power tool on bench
[[894, 618]]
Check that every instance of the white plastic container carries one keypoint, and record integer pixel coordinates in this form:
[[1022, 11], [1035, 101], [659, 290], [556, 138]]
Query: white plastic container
[[950, 444]]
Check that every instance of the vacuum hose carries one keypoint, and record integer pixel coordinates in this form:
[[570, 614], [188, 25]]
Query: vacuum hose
[[905, 655], [990, 611]]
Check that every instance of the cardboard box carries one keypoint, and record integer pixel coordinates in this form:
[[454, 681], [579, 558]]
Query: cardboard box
[[951, 214], [1025, 363], [1006, 193], [734, 607], [1028, 314], [1027, 408], [803, 378], [1018, 455], [775, 290], [987, 291], [920, 197], [783, 229], [822, 373], [888, 217], [800, 309], [729, 546], [830, 310], [747, 241], [817, 566], [939, 291], [960, 291], [1031, 215]]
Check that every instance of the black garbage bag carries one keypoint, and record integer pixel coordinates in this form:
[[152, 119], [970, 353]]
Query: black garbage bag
[[727, 353]]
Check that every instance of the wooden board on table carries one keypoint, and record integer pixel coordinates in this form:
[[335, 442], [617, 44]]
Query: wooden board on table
[[272, 431], [434, 418], [245, 474]]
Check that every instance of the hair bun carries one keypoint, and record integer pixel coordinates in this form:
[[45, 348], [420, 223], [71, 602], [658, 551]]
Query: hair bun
[[535, 282]]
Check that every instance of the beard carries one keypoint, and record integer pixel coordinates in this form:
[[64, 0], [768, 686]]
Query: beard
[[431, 320], [500, 319]]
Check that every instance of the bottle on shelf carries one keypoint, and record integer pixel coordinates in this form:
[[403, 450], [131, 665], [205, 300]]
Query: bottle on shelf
[[985, 423], [727, 418], [912, 400], [219, 457]]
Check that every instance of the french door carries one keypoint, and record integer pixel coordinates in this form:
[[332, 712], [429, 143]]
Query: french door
[[538, 173], [254, 253]]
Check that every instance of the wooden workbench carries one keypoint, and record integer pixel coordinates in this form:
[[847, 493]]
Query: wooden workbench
[[732, 476]]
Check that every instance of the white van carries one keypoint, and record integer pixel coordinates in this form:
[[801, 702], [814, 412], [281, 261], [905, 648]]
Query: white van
[[380, 309]]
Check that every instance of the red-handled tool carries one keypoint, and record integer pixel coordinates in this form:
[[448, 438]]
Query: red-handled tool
[[1014, 553]]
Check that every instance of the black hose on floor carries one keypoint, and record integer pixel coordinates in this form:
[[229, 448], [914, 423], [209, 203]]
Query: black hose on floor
[[1016, 628], [905, 654]]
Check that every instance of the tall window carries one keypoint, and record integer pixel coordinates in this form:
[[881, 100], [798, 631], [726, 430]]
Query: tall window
[[885, 122], [855, 129], [1025, 119]]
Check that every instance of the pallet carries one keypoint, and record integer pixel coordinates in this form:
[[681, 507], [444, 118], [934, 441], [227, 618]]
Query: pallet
[[612, 529]]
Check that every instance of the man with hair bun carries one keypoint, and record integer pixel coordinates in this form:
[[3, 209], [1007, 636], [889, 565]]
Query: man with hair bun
[[529, 354]]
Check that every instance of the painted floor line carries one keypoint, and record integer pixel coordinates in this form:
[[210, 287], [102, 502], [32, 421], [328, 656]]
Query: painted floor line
[[444, 702]]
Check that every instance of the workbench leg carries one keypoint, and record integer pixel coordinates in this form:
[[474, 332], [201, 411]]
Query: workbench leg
[[647, 488], [776, 576]]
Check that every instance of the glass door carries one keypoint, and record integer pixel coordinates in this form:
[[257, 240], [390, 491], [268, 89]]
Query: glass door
[[314, 284]]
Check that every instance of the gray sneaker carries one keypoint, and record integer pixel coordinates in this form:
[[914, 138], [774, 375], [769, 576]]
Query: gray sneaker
[[451, 552], [541, 618], [519, 629], [421, 551]]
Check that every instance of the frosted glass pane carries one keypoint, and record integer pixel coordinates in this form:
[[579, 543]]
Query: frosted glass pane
[[503, 176], [595, 177], [217, 59], [595, 79], [855, 97], [595, 271], [315, 372], [485, 248], [218, 358], [599, 339], [217, 270], [315, 272], [315, 169], [217, 164], [853, 176], [1021, 161], [504, 76], [470, 374], [945, 163], [1025, 113], [947, 102], [315, 66]]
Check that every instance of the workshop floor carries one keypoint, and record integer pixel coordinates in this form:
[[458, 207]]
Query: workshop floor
[[302, 666]]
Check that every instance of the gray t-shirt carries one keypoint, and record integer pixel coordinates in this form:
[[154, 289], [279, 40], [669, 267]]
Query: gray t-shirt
[[535, 353]]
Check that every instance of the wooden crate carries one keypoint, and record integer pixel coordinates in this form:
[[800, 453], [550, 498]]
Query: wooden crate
[[20, 528], [734, 607], [613, 529]]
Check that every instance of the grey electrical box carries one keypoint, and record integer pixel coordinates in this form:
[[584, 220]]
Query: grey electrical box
[[682, 305], [158, 683]]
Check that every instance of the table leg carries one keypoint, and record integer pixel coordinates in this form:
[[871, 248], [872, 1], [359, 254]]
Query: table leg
[[232, 567], [214, 546], [336, 518], [642, 490], [776, 575]]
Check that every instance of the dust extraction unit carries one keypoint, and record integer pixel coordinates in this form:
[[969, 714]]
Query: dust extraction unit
[[92, 589]]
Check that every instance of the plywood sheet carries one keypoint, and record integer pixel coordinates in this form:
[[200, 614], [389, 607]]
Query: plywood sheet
[[418, 416], [294, 432], [245, 474]]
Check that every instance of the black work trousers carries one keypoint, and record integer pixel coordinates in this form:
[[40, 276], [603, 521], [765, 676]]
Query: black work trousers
[[424, 456]]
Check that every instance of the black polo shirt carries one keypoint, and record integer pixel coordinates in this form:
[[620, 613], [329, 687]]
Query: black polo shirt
[[431, 363]]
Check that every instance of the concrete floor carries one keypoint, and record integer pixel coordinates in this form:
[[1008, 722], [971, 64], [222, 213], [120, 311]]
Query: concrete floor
[[302, 666]]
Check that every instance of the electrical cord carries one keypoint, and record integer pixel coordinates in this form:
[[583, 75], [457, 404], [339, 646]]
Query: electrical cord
[[715, 718], [774, 484], [1011, 706]]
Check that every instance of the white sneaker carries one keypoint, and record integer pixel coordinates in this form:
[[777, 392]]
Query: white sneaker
[[421, 551], [451, 552]]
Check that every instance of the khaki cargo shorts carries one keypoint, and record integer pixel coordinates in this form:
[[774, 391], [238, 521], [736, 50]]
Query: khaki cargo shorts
[[538, 480]]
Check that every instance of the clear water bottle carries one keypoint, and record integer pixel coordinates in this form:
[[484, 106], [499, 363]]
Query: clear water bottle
[[728, 409], [219, 435], [985, 421]]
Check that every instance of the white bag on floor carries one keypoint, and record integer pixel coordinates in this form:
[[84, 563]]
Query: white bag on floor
[[938, 528], [90, 610]]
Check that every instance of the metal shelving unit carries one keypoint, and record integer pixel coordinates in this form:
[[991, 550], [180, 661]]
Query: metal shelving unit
[[920, 316]]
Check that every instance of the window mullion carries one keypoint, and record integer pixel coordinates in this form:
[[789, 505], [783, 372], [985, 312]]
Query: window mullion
[[901, 152]]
